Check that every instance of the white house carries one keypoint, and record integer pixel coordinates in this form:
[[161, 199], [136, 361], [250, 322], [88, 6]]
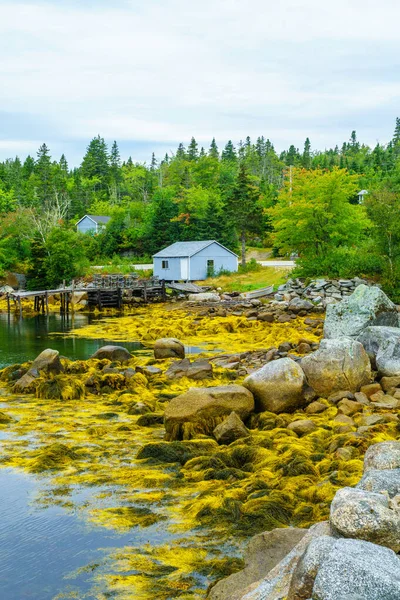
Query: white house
[[193, 261], [92, 223]]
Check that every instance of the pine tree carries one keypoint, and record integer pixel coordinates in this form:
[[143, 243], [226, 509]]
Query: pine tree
[[193, 150], [181, 152], [213, 151], [306, 160], [43, 172], [229, 153], [153, 164], [244, 208], [202, 152], [63, 164], [96, 161]]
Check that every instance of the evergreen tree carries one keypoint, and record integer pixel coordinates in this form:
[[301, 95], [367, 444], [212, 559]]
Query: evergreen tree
[[181, 152], [193, 150], [63, 164], [43, 172], [95, 163], [244, 207], [307, 154], [213, 151], [229, 153]]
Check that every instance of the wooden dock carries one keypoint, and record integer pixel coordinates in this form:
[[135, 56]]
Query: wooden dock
[[101, 296]]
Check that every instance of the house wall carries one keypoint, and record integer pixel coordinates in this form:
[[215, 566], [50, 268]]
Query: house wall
[[86, 225], [173, 273], [221, 257]]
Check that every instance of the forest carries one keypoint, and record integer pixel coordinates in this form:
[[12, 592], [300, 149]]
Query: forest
[[300, 200]]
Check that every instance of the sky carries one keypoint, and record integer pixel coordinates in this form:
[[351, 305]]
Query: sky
[[152, 74]]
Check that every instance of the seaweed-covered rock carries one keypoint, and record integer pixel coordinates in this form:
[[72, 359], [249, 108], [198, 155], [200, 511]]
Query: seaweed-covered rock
[[384, 455], [278, 386], [379, 481], [355, 569], [5, 419], [366, 306], [117, 353], [263, 553], [230, 430], [48, 361], [340, 364], [200, 410], [368, 516], [168, 348]]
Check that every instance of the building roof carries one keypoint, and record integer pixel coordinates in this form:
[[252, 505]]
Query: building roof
[[96, 218], [187, 249], [362, 192]]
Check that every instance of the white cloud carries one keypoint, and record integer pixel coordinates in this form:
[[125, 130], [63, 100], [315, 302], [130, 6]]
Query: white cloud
[[163, 71]]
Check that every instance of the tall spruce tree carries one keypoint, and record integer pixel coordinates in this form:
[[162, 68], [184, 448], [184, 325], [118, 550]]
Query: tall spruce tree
[[213, 151]]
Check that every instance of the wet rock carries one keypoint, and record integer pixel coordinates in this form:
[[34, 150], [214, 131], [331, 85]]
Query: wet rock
[[26, 383], [200, 410], [277, 386], [150, 419], [379, 481], [365, 307], [230, 430], [117, 353], [358, 570], [385, 455], [263, 553], [339, 364], [5, 419], [356, 513], [168, 348], [139, 408], [302, 427]]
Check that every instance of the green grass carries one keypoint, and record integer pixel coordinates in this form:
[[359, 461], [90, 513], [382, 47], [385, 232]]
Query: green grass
[[246, 282]]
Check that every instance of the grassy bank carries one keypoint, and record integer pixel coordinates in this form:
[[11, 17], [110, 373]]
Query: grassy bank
[[252, 280]]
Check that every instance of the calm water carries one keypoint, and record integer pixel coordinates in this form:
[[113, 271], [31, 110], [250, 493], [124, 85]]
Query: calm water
[[22, 339], [41, 547]]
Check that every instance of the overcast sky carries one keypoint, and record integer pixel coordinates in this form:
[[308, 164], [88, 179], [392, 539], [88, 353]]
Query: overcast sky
[[151, 74]]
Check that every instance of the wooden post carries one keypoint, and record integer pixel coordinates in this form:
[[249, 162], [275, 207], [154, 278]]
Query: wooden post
[[72, 295], [68, 300], [99, 299], [20, 306], [47, 302], [145, 291], [163, 291], [8, 302]]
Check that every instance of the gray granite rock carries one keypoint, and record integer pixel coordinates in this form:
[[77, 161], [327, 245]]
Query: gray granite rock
[[356, 513], [385, 455], [382, 345], [379, 481], [356, 569], [366, 306], [302, 582]]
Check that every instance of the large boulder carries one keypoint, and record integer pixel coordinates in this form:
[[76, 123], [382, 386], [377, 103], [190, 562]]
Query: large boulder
[[204, 297], [169, 348], [117, 353], [263, 553], [357, 570], [385, 455], [278, 386], [302, 582], [382, 345], [366, 306], [201, 409], [356, 513], [340, 364]]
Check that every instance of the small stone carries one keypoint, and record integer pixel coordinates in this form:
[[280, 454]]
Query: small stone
[[118, 353], [337, 396], [344, 419], [349, 407], [315, 408], [303, 348], [362, 398], [377, 396], [302, 427], [168, 348], [370, 389], [371, 420], [390, 382], [230, 430]]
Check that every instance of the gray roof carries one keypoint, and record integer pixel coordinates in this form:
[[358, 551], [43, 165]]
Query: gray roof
[[184, 249], [362, 192]]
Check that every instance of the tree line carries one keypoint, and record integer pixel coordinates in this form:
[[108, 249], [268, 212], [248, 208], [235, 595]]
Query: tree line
[[299, 200]]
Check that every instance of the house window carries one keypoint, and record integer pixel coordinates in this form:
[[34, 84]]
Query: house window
[[164, 264], [210, 268]]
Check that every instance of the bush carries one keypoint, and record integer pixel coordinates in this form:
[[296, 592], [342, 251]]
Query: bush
[[250, 266], [342, 262]]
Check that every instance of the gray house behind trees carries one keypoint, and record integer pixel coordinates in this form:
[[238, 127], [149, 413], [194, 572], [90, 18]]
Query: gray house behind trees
[[191, 261], [92, 223]]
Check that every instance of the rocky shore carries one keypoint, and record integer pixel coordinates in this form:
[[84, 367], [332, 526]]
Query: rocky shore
[[297, 440]]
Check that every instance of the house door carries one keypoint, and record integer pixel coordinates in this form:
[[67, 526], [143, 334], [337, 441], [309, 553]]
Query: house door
[[184, 268]]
